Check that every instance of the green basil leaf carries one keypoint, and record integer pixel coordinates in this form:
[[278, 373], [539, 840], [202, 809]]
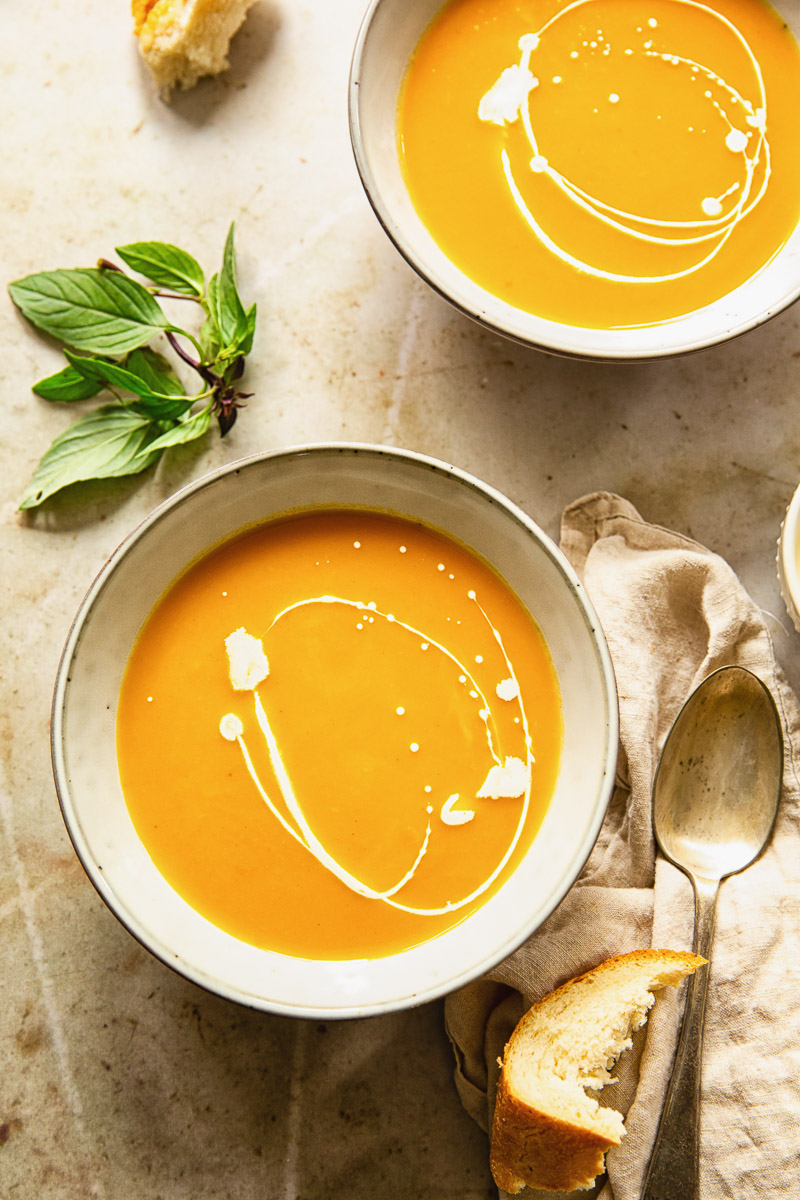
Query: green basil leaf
[[111, 374], [99, 311], [246, 344], [230, 314], [155, 370], [185, 431], [163, 410], [210, 337], [110, 442], [166, 265], [67, 384]]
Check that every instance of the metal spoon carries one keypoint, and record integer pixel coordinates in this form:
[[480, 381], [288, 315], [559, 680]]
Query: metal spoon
[[715, 798]]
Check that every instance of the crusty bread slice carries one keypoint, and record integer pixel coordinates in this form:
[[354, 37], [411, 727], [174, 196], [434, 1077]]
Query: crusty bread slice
[[182, 40], [547, 1132]]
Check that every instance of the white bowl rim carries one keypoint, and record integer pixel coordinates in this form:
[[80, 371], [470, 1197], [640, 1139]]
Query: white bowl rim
[[151, 941], [788, 574], [552, 339]]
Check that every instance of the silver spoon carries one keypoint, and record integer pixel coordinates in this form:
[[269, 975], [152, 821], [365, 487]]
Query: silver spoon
[[715, 798]]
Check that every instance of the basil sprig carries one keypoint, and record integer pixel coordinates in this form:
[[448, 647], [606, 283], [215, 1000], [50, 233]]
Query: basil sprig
[[106, 320]]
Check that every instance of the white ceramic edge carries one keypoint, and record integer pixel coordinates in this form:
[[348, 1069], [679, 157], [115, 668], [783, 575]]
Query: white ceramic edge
[[542, 334], [788, 575], [522, 932]]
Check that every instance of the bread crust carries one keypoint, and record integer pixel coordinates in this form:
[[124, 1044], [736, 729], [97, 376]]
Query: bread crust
[[531, 1147]]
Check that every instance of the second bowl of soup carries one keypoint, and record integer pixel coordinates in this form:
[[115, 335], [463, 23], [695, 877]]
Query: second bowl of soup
[[607, 178]]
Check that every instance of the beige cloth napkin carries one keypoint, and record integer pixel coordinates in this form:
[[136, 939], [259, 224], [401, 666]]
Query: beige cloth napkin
[[672, 612]]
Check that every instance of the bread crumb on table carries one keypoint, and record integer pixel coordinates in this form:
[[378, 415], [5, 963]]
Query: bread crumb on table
[[183, 40]]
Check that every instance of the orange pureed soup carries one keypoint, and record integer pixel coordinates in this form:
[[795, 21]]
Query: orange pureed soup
[[338, 734], [605, 163]]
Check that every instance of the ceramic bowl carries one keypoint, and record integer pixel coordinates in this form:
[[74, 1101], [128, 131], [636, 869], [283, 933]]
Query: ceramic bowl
[[788, 572], [388, 36], [132, 581]]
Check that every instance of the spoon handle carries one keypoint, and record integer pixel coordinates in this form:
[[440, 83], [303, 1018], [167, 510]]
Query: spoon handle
[[674, 1166]]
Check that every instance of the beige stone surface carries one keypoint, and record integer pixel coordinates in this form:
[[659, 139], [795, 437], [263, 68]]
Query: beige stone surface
[[119, 1079]]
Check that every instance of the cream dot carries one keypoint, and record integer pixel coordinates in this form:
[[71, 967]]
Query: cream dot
[[556, 79], [230, 727], [462, 679], [471, 594], [538, 164], [414, 747], [149, 699], [507, 689], [613, 98], [428, 809], [711, 206], [390, 617], [451, 576], [400, 711], [573, 53], [357, 545], [428, 789], [402, 549], [360, 625], [478, 658], [474, 695], [224, 593], [423, 645], [652, 22], [736, 141], [440, 567]]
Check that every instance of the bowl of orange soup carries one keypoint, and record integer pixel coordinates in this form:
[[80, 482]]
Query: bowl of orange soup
[[593, 178], [334, 730]]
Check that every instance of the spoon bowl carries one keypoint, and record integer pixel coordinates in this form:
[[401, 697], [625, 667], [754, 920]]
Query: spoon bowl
[[715, 799], [716, 788]]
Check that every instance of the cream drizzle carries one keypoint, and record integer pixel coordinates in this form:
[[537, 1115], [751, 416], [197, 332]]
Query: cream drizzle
[[498, 106], [231, 728]]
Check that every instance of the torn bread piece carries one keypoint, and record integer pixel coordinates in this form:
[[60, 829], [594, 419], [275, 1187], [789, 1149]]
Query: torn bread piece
[[548, 1132], [182, 40]]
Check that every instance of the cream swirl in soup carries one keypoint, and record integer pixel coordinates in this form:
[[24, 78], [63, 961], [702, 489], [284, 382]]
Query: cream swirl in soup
[[338, 734]]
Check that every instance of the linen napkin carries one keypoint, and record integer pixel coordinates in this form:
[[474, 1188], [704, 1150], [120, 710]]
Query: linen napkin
[[672, 612]]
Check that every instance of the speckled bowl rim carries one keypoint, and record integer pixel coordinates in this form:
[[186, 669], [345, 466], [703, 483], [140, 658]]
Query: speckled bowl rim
[[82, 621], [536, 332], [788, 574]]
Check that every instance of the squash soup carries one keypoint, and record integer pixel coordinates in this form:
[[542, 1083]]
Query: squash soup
[[338, 734], [605, 163]]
